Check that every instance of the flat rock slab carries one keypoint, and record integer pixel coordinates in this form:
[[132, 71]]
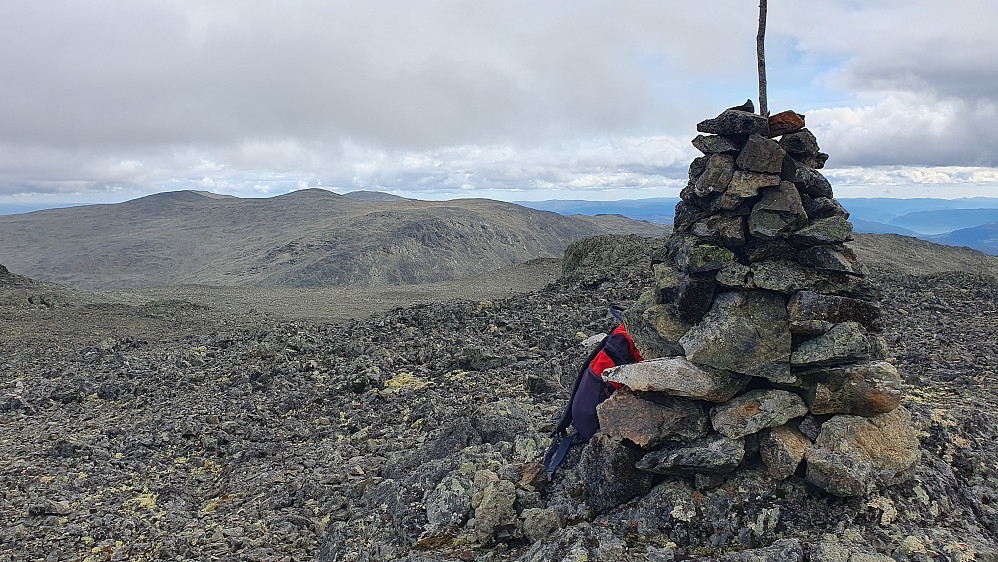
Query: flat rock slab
[[714, 454], [782, 450], [822, 232], [789, 277], [735, 122], [648, 419], [761, 154], [679, 377], [785, 122], [862, 389], [814, 313], [855, 456], [746, 332], [756, 410], [783, 550], [842, 343]]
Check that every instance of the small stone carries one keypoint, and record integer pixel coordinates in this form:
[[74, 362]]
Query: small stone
[[655, 330], [832, 258], [715, 144], [822, 207], [782, 450], [783, 550], [808, 181], [714, 454], [800, 142], [735, 122], [608, 473], [495, 514], [761, 154], [785, 122], [649, 419], [697, 166], [539, 523], [678, 377], [667, 281], [736, 276], [48, 507], [856, 456], [695, 295], [822, 232], [716, 176], [744, 332], [813, 313], [726, 231], [533, 475], [843, 343], [778, 214], [862, 389], [743, 185], [756, 410]]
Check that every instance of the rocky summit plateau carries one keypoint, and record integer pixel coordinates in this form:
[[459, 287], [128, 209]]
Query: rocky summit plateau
[[409, 422]]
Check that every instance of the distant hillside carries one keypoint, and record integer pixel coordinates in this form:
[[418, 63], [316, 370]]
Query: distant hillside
[[860, 225], [945, 220], [306, 238], [983, 238]]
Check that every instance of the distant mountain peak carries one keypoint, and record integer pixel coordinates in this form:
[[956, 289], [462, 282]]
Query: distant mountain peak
[[365, 195]]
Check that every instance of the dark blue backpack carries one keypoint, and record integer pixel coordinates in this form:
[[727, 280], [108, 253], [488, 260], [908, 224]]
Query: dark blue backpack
[[588, 392]]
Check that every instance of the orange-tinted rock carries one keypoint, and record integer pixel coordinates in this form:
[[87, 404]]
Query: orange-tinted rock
[[785, 122]]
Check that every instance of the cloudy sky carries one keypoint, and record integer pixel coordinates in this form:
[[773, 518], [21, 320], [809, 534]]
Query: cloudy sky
[[103, 101]]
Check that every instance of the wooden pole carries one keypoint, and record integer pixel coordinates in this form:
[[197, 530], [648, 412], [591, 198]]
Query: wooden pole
[[760, 42]]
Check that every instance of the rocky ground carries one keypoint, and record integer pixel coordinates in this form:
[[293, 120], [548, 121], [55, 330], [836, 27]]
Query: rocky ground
[[169, 429]]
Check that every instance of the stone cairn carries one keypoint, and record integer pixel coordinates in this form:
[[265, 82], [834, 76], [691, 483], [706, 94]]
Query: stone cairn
[[760, 334]]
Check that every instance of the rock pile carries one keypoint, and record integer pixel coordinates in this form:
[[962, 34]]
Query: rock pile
[[760, 332]]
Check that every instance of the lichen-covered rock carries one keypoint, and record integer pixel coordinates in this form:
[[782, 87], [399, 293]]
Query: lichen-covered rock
[[539, 523], [814, 313], [756, 410], [808, 181], [800, 142], [744, 185], [761, 154], [649, 419], [495, 514], [855, 456], [679, 377], [694, 297], [822, 207], [667, 281], [714, 454], [778, 214], [832, 258], [655, 330], [863, 389], [735, 122], [842, 343], [608, 473], [744, 332], [823, 232], [782, 449], [584, 542], [716, 176], [713, 144], [726, 231], [783, 550]]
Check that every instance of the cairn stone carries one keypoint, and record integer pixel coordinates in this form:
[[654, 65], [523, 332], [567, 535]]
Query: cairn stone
[[735, 122], [607, 468], [782, 450], [813, 313], [761, 307], [744, 332], [855, 455], [861, 389], [756, 410], [714, 454], [785, 122], [678, 377], [648, 419]]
